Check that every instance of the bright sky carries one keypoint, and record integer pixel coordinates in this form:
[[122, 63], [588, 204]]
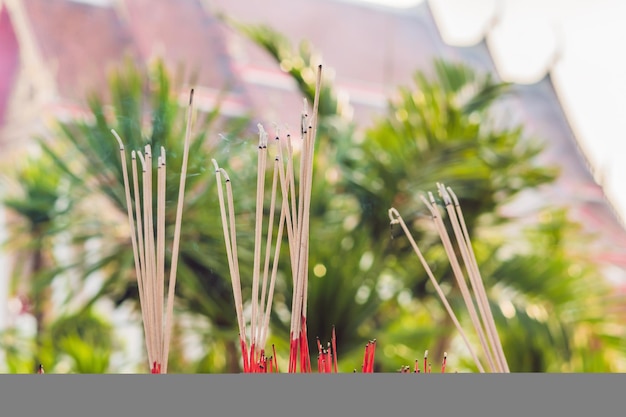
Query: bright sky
[[590, 75]]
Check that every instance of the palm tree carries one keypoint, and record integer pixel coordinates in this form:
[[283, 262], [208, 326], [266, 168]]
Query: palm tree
[[37, 201]]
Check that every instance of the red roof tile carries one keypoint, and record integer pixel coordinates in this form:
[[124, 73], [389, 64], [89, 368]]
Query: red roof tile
[[79, 42]]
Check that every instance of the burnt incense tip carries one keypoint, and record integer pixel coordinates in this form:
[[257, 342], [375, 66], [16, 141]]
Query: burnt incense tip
[[454, 197], [394, 216], [142, 160], [40, 369], [191, 96], [262, 136], [133, 155], [119, 140]]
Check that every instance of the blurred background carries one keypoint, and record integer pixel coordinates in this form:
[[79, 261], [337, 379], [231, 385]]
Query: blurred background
[[513, 104]]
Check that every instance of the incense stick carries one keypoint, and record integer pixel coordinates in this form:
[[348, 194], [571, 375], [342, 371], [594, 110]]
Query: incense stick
[[481, 288], [458, 274], [133, 231], [265, 324], [493, 350], [176, 243], [481, 302], [258, 229], [149, 255], [295, 217], [395, 218], [299, 314], [147, 276], [160, 255], [230, 245]]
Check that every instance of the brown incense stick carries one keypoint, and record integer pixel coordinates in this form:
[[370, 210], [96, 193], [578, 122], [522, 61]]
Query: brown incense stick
[[176, 243], [274, 273], [268, 246], [481, 289], [133, 232], [458, 273], [147, 277], [160, 267], [286, 187], [262, 154], [150, 249], [461, 243], [395, 218], [232, 258]]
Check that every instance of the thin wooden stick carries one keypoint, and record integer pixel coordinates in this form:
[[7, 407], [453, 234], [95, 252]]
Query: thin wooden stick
[[286, 186], [175, 248], [461, 243], [313, 136], [334, 343], [233, 240], [297, 291], [291, 181], [258, 230], [395, 218], [268, 246], [150, 248], [247, 363], [279, 238], [149, 229], [147, 277], [458, 273], [141, 250], [229, 252], [160, 267], [131, 222], [304, 209], [481, 288]]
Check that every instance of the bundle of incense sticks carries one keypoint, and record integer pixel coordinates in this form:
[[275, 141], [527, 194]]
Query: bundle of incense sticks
[[484, 326], [327, 357], [294, 216], [427, 365], [149, 255]]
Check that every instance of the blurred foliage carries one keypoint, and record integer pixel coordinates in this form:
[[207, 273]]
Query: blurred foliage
[[76, 343], [36, 197]]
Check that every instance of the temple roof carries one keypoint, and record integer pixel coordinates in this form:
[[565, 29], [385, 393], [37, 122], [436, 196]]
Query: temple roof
[[371, 50]]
